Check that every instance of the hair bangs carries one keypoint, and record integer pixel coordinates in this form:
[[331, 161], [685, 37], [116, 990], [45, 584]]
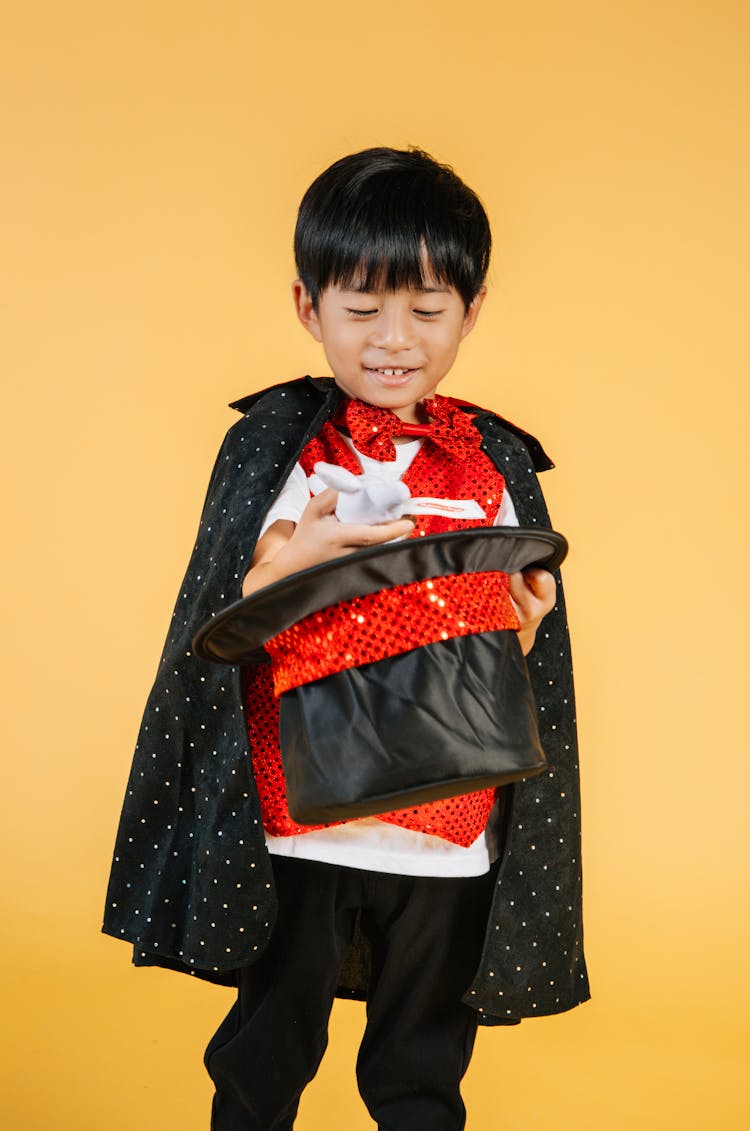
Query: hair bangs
[[382, 260]]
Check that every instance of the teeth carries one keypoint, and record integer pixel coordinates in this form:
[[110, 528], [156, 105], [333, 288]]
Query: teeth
[[393, 372]]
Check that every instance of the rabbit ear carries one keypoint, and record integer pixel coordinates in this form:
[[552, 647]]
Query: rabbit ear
[[388, 494], [337, 477]]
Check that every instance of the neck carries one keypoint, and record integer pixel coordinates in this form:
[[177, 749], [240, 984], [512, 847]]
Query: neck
[[415, 414]]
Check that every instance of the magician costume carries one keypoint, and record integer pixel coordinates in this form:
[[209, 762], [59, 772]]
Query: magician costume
[[192, 884]]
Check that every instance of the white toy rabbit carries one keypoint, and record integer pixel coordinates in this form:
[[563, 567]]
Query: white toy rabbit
[[369, 499]]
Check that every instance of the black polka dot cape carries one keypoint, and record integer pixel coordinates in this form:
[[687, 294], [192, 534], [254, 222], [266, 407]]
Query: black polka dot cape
[[191, 885]]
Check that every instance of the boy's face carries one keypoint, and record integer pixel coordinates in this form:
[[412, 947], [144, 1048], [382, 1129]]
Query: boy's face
[[390, 348]]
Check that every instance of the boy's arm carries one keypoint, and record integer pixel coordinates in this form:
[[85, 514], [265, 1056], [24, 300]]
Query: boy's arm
[[533, 593], [286, 548]]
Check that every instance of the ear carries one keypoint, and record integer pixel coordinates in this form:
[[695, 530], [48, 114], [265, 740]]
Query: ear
[[470, 318], [306, 313]]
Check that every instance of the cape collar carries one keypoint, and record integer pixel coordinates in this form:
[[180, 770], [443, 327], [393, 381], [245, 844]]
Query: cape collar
[[327, 389]]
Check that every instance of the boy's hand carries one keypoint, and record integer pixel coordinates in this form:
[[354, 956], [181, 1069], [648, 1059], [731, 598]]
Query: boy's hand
[[318, 537], [533, 594]]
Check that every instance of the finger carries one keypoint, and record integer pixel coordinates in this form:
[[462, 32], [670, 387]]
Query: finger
[[540, 582], [533, 594], [535, 581], [534, 577], [525, 598], [359, 534], [518, 588], [521, 603], [324, 503]]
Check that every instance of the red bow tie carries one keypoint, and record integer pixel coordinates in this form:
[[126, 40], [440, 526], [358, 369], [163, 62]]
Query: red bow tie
[[373, 429]]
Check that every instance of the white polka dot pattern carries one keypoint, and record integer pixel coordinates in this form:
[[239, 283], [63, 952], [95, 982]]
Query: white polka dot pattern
[[191, 884]]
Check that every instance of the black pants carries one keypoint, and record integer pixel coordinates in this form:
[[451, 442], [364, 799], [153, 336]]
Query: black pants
[[426, 936]]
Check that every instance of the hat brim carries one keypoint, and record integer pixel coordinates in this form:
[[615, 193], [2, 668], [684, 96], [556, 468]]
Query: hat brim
[[237, 634]]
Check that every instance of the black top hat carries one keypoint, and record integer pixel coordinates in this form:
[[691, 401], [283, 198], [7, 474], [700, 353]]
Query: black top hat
[[440, 720]]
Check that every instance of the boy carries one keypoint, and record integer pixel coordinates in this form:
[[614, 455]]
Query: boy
[[442, 916]]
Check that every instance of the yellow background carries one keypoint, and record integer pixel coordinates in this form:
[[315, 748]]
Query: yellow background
[[156, 153]]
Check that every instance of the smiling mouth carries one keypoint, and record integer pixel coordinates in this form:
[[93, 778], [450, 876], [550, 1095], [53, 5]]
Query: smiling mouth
[[391, 372]]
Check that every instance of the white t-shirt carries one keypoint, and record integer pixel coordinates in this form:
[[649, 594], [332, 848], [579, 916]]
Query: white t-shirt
[[367, 842]]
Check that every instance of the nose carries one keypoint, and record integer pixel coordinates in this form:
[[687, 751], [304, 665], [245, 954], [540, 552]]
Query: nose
[[393, 330]]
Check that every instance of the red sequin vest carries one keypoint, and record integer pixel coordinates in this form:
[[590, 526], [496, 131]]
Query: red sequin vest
[[367, 629]]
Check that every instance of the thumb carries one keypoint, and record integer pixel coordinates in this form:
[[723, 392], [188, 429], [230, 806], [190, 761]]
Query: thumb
[[324, 503], [539, 581]]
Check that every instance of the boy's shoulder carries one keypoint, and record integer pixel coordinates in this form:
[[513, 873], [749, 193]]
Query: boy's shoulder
[[296, 395], [488, 421]]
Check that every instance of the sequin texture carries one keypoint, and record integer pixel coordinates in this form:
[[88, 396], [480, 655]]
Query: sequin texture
[[388, 623]]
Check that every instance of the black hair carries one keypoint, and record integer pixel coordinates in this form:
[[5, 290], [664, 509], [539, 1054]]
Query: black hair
[[367, 221]]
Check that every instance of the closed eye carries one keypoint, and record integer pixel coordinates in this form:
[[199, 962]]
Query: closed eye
[[357, 313]]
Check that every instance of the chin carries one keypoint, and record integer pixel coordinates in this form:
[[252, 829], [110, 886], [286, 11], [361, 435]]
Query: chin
[[395, 393]]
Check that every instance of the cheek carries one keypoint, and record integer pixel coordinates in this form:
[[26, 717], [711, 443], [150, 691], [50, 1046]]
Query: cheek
[[346, 336], [447, 342]]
